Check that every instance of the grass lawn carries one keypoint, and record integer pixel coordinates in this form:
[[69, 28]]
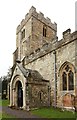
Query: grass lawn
[[42, 112], [4, 102], [0, 102], [0, 114], [53, 113], [4, 115]]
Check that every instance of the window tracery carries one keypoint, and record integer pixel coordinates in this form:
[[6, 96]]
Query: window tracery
[[67, 78]]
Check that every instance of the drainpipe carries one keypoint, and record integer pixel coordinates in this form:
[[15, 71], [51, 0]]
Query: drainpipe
[[49, 94], [55, 80]]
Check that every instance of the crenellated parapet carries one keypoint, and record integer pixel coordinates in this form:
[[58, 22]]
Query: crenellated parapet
[[40, 36], [50, 47], [39, 16]]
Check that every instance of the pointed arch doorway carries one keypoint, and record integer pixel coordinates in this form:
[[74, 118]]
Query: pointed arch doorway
[[19, 94]]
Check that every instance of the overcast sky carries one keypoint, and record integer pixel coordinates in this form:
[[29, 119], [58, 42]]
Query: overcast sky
[[13, 11]]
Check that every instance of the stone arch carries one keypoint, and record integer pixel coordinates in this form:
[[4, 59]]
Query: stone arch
[[67, 83], [67, 63], [14, 90], [15, 79], [65, 68]]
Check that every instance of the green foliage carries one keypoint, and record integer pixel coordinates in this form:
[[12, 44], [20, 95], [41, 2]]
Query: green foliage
[[4, 87]]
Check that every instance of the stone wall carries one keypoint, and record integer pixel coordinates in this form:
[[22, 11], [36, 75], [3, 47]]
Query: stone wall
[[39, 16], [23, 45], [37, 51], [64, 54], [44, 62], [34, 39], [38, 95]]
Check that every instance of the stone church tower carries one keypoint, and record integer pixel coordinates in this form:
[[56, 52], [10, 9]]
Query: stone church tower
[[44, 69], [34, 32]]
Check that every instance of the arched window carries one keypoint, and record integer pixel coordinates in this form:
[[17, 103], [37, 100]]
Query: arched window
[[44, 31], [40, 95], [67, 78], [70, 80], [64, 81], [23, 34]]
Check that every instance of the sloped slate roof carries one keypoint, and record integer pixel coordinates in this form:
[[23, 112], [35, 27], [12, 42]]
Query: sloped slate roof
[[33, 73]]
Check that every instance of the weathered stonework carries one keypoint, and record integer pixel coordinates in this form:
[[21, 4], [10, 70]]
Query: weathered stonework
[[34, 89], [49, 56]]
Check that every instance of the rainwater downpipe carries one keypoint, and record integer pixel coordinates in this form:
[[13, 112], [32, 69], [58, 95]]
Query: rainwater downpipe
[[55, 80]]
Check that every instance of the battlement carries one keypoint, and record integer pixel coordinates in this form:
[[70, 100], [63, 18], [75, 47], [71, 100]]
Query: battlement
[[49, 47], [39, 16], [66, 33], [39, 52]]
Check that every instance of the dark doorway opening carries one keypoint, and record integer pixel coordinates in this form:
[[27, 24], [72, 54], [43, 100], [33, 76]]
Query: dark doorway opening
[[19, 94]]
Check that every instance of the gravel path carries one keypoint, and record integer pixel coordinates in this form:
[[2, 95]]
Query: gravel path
[[18, 113]]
